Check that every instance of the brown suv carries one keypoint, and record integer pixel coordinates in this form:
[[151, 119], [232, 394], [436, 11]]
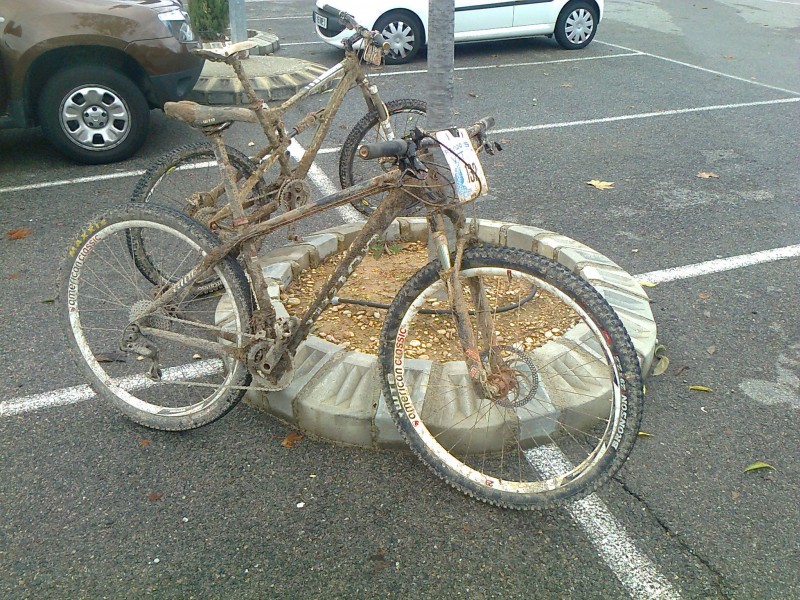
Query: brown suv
[[89, 72]]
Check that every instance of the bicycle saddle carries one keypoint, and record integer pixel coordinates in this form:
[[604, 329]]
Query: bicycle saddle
[[227, 53], [200, 115]]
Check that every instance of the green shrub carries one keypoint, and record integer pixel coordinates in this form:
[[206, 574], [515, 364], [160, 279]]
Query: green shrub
[[209, 18]]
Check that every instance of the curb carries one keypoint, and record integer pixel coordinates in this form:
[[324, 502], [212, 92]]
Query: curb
[[274, 78], [266, 43], [336, 393]]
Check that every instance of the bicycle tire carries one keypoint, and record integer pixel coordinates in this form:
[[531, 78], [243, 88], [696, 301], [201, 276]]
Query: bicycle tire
[[102, 292], [172, 178], [572, 409], [405, 114]]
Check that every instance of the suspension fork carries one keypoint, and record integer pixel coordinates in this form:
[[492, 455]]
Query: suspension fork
[[450, 272], [374, 102]]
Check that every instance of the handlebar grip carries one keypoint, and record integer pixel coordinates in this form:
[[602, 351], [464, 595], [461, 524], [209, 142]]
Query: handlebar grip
[[487, 122], [384, 149]]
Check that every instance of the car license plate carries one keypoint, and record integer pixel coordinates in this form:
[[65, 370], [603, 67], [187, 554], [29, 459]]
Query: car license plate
[[468, 177], [321, 21]]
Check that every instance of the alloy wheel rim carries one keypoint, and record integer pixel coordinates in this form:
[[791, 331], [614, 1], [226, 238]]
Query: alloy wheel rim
[[95, 118]]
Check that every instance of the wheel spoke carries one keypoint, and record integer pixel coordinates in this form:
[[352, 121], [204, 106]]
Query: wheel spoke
[[551, 380]]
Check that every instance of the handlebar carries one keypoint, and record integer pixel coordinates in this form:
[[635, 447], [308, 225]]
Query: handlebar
[[346, 18], [372, 37], [398, 148]]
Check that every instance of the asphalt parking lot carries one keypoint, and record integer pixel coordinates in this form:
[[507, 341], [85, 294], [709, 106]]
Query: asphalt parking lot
[[95, 506]]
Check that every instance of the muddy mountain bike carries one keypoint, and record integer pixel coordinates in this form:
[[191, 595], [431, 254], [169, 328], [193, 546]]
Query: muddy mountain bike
[[187, 178], [510, 376]]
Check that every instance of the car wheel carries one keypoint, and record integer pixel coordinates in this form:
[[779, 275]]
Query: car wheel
[[93, 114], [403, 31], [576, 25]]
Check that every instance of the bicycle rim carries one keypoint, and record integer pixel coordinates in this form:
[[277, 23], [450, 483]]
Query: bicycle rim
[[106, 293], [567, 397], [182, 180]]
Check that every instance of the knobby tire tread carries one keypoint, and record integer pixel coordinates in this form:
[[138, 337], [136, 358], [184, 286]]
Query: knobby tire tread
[[590, 300]]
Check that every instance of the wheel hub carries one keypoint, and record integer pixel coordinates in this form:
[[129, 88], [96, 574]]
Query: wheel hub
[[516, 382], [95, 117]]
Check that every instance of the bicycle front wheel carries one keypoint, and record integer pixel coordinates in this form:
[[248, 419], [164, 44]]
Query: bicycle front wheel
[[560, 410], [185, 179], [404, 116], [165, 368]]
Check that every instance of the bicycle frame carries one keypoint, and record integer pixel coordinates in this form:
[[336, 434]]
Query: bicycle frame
[[349, 72], [390, 208]]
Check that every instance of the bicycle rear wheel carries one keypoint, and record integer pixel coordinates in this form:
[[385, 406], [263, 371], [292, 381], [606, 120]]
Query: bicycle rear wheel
[[404, 116], [567, 399], [183, 180], [112, 330]]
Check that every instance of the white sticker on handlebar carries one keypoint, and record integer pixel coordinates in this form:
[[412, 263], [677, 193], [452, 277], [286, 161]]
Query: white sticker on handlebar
[[468, 177]]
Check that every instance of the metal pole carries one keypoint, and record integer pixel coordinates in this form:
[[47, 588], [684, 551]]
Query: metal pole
[[238, 21]]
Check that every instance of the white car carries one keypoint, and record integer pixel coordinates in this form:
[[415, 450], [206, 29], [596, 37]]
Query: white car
[[404, 23]]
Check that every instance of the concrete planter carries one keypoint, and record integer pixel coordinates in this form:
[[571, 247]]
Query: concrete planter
[[336, 393]]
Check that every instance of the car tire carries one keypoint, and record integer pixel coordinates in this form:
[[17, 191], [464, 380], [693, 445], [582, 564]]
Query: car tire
[[576, 25], [403, 31], [94, 114]]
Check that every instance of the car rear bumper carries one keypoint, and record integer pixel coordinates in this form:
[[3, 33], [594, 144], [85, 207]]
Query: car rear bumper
[[175, 86], [334, 32]]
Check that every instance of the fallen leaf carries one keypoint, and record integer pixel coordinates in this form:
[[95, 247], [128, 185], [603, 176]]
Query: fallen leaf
[[292, 440], [154, 496], [601, 185], [735, 495], [758, 465], [662, 360], [682, 369], [472, 95], [144, 442], [566, 85], [645, 434], [14, 276], [711, 349], [647, 283], [18, 233], [729, 57], [707, 175], [700, 388], [661, 366], [48, 300], [704, 295], [301, 504]]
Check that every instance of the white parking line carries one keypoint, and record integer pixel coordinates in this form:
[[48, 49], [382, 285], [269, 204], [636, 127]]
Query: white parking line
[[635, 571], [556, 125], [80, 393], [699, 68], [511, 65], [719, 265], [647, 115]]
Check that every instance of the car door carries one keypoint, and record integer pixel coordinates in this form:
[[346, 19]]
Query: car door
[[477, 15], [528, 13]]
